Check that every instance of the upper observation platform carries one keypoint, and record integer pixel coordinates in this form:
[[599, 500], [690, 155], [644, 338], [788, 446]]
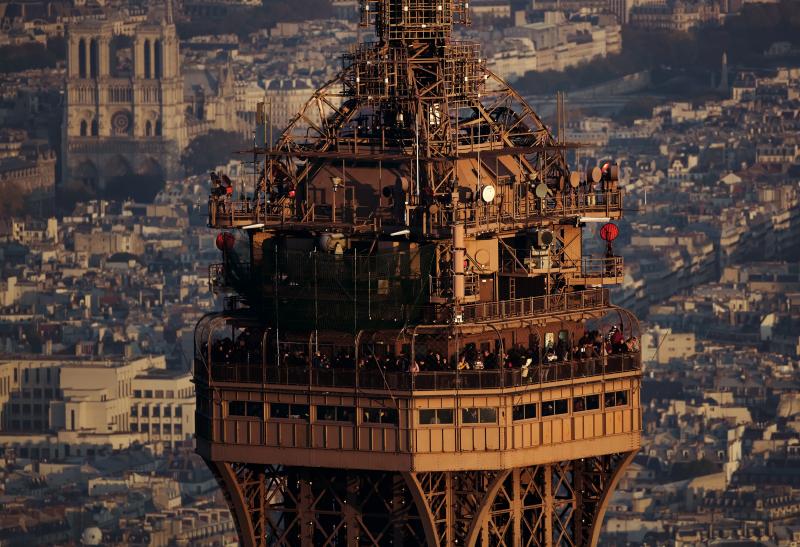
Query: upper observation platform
[[471, 399]]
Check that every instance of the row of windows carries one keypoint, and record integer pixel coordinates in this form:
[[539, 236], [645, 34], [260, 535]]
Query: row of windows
[[561, 406], [161, 394], [92, 129], [155, 411], [29, 409], [37, 393], [27, 425], [158, 429], [436, 416], [327, 413], [37, 374]]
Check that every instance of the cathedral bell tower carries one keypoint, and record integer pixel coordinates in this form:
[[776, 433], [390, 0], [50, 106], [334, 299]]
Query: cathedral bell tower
[[124, 124]]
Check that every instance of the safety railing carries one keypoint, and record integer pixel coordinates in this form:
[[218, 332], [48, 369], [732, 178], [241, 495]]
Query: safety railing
[[425, 381], [223, 275], [441, 287], [523, 209], [578, 301], [602, 267], [216, 276], [227, 213]]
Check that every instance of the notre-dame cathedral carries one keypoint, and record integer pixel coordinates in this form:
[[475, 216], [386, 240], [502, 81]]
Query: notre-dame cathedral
[[130, 110]]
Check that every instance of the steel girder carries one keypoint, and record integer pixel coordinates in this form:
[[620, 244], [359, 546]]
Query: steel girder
[[553, 505]]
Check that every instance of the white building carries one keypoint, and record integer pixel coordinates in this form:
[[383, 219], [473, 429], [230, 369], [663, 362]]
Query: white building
[[60, 406]]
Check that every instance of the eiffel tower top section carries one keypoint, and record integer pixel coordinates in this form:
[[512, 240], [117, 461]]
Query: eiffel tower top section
[[415, 57], [407, 21]]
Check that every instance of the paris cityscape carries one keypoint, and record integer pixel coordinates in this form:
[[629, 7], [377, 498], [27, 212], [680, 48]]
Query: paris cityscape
[[400, 272]]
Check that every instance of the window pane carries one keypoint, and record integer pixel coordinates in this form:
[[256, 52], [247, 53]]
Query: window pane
[[561, 406], [299, 411], [427, 417], [326, 413], [469, 415], [236, 408], [389, 416], [548, 408], [530, 411], [255, 410], [488, 415], [385, 415], [345, 414], [518, 413], [592, 402], [279, 410], [445, 415], [622, 398]]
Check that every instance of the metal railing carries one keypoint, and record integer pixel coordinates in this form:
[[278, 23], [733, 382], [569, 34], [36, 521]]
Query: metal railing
[[226, 213], [223, 275], [442, 286], [216, 275], [520, 210], [588, 300], [602, 267], [425, 381]]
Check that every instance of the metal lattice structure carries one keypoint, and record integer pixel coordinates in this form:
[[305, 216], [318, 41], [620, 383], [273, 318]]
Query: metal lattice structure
[[550, 504], [415, 348]]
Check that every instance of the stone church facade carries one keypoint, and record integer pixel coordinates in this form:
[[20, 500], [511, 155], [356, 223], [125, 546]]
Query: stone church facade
[[129, 113]]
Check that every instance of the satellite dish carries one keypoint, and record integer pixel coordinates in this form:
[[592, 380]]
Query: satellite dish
[[543, 239], [574, 179], [488, 193], [609, 232], [482, 257], [541, 190], [92, 536]]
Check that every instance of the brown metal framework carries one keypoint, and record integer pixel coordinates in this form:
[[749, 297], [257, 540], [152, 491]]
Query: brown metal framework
[[416, 208], [556, 504]]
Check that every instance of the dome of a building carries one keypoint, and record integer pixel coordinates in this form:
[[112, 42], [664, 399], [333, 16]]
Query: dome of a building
[[92, 536]]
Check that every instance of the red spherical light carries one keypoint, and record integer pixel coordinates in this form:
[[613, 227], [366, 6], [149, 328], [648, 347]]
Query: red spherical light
[[225, 241], [609, 231]]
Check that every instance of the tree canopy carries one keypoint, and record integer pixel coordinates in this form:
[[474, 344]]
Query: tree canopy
[[214, 148]]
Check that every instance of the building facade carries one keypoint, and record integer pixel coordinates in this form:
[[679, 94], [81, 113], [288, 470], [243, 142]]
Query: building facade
[[59, 407], [124, 114]]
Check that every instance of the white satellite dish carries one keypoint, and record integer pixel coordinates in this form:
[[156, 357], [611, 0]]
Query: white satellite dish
[[488, 193]]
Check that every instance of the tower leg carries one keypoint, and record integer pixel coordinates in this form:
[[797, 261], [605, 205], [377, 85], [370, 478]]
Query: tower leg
[[549, 505]]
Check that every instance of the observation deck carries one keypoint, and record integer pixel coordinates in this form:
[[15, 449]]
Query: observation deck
[[352, 218], [426, 421]]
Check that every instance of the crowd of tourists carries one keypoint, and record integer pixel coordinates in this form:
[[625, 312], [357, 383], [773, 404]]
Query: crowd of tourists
[[246, 349]]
